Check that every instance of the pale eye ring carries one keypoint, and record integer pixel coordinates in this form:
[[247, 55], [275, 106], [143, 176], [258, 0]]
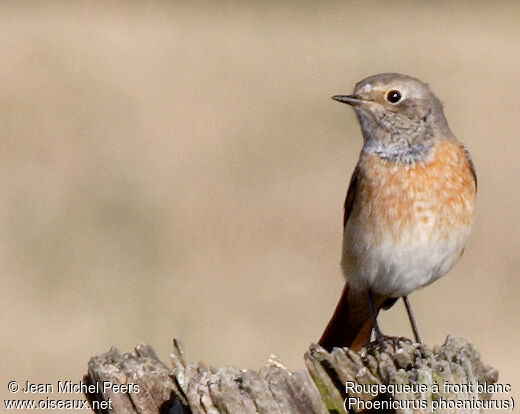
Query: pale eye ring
[[393, 96]]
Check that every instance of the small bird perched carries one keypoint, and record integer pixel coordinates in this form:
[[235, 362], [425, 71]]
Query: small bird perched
[[409, 206]]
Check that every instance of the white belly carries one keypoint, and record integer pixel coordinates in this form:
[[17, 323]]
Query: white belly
[[395, 268]]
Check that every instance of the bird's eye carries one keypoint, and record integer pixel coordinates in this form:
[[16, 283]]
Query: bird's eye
[[393, 96]]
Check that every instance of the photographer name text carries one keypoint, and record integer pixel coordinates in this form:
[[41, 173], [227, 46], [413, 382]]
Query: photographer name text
[[78, 387]]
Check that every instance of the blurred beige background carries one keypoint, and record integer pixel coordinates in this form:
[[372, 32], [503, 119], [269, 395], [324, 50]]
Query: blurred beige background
[[178, 170]]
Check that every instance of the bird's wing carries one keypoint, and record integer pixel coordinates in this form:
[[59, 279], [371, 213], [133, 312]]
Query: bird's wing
[[471, 165], [349, 200]]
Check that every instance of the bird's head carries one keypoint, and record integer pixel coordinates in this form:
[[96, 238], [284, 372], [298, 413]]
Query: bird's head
[[398, 114]]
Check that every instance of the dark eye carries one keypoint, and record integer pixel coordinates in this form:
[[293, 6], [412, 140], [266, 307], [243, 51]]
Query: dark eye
[[393, 96]]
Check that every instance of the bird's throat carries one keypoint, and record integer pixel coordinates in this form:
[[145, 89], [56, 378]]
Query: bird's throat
[[407, 153]]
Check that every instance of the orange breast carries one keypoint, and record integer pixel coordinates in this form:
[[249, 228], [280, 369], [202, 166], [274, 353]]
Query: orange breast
[[437, 193]]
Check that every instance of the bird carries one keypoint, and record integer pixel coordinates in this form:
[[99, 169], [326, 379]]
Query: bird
[[409, 207]]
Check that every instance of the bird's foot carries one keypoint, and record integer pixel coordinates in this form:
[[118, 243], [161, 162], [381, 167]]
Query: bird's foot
[[384, 340]]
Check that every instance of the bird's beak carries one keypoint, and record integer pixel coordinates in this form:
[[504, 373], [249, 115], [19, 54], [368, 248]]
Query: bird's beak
[[348, 99]]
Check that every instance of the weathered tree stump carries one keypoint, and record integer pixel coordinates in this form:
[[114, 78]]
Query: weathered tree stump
[[395, 375]]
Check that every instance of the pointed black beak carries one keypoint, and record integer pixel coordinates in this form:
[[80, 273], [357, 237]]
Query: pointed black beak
[[348, 99]]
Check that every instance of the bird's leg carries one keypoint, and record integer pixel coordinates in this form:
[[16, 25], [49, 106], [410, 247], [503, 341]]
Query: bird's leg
[[412, 319], [371, 307]]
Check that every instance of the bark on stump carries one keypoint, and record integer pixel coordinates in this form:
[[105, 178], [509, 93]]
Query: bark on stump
[[199, 388]]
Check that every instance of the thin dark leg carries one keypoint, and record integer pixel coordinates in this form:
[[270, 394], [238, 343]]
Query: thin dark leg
[[379, 334], [412, 319]]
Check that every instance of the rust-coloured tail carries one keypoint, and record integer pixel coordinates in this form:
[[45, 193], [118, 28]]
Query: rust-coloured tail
[[351, 325]]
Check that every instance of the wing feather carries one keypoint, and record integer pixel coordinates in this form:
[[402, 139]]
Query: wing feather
[[349, 200], [471, 165]]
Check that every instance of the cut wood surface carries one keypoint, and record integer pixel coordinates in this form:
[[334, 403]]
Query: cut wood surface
[[395, 375]]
